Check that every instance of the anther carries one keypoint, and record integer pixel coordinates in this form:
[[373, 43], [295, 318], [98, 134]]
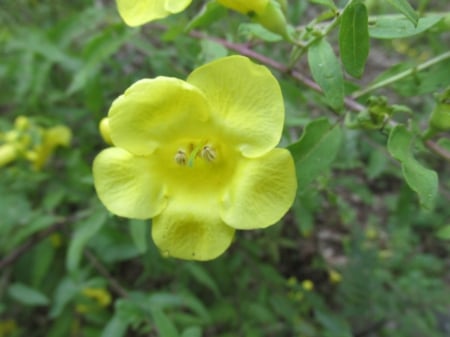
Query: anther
[[208, 153], [180, 157]]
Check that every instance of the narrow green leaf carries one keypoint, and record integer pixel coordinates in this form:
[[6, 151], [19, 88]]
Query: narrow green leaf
[[328, 3], [193, 331], [26, 295], [139, 234], [394, 27], [83, 233], [255, 30], [116, 327], [65, 292], [163, 323], [444, 233], [210, 13], [201, 275], [405, 8], [316, 150], [354, 38], [327, 72], [421, 180]]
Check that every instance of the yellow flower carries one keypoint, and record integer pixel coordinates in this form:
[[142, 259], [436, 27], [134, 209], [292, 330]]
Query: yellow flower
[[8, 153], [199, 157], [138, 12], [51, 138]]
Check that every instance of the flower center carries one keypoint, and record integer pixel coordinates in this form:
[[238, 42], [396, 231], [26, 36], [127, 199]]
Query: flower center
[[189, 155]]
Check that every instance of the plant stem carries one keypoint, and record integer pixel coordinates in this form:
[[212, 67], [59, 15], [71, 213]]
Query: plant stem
[[401, 75]]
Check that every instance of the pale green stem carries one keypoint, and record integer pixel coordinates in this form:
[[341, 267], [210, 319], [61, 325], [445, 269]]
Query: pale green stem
[[194, 154], [401, 75]]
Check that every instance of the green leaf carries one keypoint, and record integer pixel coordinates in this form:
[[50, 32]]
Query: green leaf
[[394, 27], [444, 233], [354, 38], [83, 233], [210, 13], [405, 8], [26, 295], [116, 327], [139, 234], [252, 30], [316, 150], [100, 48], [327, 72], [328, 3], [164, 325], [212, 50], [65, 292], [201, 275], [193, 331], [421, 180]]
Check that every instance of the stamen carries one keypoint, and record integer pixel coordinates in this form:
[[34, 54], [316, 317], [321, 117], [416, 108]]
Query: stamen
[[180, 157], [208, 153]]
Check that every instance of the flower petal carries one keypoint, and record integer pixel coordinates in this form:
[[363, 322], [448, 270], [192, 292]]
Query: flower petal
[[191, 229], [128, 185], [247, 102], [176, 6], [262, 191], [138, 12], [155, 111], [245, 6]]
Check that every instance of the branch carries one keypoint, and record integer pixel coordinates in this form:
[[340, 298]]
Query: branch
[[349, 102], [22, 249], [402, 75], [115, 285]]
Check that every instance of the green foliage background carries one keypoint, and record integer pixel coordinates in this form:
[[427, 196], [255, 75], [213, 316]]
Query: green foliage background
[[364, 251]]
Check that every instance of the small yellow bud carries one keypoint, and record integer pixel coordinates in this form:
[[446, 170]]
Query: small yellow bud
[[334, 276], [105, 131], [21, 123], [100, 295], [308, 285]]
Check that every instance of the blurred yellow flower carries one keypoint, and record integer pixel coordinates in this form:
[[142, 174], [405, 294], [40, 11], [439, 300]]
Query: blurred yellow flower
[[51, 138], [100, 295], [8, 327], [199, 157], [335, 277], [138, 12], [308, 285], [8, 153], [34, 143]]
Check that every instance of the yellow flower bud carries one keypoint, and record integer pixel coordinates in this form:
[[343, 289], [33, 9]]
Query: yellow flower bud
[[100, 295], [308, 285], [334, 276], [21, 123], [105, 131]]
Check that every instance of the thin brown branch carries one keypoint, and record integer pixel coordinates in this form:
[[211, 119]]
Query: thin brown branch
[[22, 249], [440, 151], [114, 284], [350, 103]]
